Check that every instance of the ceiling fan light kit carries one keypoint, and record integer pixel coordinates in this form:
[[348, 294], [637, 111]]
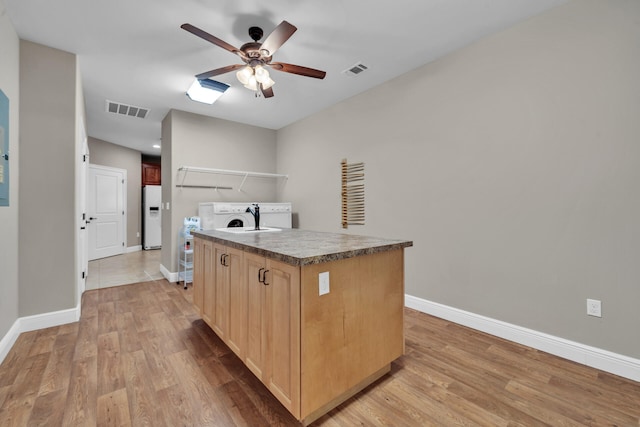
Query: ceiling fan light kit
[[250, 77], [256, 57], [206, 91]]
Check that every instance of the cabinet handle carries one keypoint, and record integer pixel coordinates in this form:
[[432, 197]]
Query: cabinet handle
[[260, 280], [264, 277], [221, 259]]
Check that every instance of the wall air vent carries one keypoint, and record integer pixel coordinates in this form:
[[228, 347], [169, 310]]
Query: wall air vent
[[355, 69], [126, 110]]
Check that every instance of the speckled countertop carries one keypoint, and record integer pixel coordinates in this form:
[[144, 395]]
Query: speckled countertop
[[303, 247]]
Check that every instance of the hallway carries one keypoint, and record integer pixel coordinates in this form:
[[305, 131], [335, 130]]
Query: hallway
[[133, 267]]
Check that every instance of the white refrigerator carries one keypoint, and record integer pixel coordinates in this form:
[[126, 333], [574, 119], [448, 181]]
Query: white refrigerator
[[151, 217]]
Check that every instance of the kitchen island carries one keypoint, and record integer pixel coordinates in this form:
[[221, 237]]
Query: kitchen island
[[315, 316]]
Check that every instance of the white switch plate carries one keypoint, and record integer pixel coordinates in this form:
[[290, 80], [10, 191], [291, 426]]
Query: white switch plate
[[594, 308], [323, 283]]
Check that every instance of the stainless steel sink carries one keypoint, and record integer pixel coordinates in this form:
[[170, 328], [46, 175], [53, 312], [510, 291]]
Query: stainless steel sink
[[247, 230]]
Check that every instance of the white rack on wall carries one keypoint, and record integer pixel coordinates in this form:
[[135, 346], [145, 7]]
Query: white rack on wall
[[245, 174]]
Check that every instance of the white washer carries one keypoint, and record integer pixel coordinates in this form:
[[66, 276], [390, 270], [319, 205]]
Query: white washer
[[221, 215]]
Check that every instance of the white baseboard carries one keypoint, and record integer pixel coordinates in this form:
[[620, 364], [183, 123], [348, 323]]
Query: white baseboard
[[32, 323], [604, 360], [133, 249], [171, 277], [9, 339]]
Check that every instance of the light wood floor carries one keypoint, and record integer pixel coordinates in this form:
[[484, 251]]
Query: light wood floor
[[141, 356]]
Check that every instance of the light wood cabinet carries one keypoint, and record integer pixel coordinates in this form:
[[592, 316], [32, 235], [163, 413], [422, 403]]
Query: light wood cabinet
[[219, 291], [256, 348], [235, 294], [349, 336], [208, 281], [311, 351], [198, 274], [273, 327], [227, 273]]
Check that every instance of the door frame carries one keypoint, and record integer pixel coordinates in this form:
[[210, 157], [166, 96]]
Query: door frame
[[82, 250]]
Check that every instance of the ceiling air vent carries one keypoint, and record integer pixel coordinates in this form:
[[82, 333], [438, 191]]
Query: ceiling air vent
[[126, 110], [355, 69]]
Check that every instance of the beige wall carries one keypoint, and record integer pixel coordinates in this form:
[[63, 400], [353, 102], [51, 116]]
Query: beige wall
[[199, 141], [116, 156], [513, 165], [9, 84], [47, 228]]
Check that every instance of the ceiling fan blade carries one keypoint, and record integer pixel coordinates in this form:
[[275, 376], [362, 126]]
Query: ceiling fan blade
[[218, 71], [211, 39], [298, 69], [267, 93], [277, 37]]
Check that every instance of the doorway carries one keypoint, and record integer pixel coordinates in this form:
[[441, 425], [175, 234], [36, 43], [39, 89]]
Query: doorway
[[106, 211]]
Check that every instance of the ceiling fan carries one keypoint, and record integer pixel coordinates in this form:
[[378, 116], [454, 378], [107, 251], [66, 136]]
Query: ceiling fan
[[253, 74]]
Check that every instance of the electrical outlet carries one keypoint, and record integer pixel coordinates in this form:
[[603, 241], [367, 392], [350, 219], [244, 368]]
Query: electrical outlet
[[594, 307], [323, 283], [137, 234]]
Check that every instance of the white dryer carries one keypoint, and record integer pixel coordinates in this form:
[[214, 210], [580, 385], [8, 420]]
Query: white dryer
[[234, 214], [277, 215]]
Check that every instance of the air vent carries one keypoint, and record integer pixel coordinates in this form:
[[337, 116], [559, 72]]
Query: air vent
[[126, 110], [355, 69]]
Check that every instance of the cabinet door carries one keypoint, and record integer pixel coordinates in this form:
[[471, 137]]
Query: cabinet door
[[282, 306], [237, 297], [208, 282], [256, 352], [151, 174], [198, 274], [221, 285]]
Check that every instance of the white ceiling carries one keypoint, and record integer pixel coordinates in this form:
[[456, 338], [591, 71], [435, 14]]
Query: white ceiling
[[134, 51]]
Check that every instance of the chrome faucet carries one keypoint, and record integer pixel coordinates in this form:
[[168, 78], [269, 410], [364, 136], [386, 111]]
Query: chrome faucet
[[256, 214]]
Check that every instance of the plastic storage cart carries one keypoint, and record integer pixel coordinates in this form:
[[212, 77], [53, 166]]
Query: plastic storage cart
[[185, 250]]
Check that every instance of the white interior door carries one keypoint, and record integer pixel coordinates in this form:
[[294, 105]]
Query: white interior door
[[106, 210]]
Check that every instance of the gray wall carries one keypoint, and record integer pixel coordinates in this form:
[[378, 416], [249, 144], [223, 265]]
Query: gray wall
[[514, 166], [9, 84], [116, 156], [46, 255], [193, 140]]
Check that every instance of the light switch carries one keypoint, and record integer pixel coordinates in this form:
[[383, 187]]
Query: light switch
[[323, 283]]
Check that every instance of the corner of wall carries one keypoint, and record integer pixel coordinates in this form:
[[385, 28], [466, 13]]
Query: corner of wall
[[9, 237]]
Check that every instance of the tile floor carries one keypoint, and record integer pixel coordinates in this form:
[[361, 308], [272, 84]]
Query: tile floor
[[133, 267]]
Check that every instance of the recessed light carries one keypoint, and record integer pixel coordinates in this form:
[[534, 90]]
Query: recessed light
[[156, 146]]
